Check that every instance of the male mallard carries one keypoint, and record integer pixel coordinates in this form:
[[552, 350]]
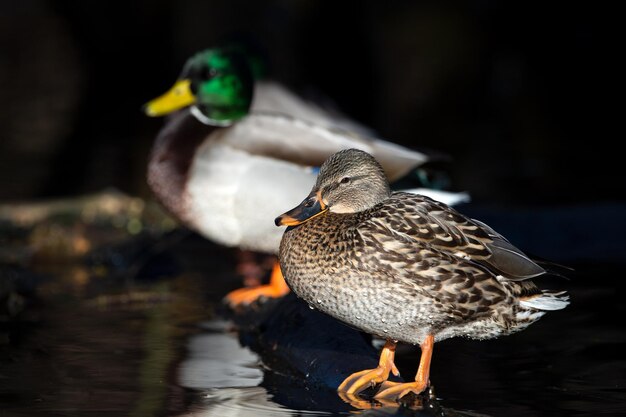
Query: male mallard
[[403, 267], [228, 176]]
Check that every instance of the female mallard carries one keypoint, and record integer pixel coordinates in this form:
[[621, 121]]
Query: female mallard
[[403, 267], [228, 176]]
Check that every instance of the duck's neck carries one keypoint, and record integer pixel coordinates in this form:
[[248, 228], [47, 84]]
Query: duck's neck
[[171, 158]]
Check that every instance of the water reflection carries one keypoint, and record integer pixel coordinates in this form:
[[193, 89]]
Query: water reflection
[[217, 360]]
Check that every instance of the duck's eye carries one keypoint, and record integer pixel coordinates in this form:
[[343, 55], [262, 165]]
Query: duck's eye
[[345, 180], [208, 73]]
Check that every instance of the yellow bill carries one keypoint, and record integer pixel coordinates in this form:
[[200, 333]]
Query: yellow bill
[[177, 97]]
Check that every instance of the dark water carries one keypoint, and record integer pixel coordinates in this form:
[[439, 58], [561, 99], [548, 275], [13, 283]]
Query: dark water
[[86, 338]]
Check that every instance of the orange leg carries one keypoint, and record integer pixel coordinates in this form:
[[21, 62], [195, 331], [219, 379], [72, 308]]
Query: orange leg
[[399, 390], [277, 287], [359, 381]]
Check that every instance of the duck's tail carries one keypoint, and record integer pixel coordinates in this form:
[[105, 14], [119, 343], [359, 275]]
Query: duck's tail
[[546, 301]]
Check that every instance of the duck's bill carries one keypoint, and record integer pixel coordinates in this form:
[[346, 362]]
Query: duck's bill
[[311, 207], [177, 97]]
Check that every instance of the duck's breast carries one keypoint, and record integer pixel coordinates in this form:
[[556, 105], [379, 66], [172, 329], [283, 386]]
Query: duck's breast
[[234, 196], [331, 277]]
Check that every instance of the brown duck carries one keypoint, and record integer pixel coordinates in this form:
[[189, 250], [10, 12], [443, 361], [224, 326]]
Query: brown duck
[[404, 267]]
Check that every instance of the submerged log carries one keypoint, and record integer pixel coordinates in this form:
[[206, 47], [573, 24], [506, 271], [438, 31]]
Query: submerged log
[[312, 346]]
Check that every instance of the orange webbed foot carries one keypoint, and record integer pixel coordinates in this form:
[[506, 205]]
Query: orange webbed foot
[[396, 390], [362, 380], [277, 287]]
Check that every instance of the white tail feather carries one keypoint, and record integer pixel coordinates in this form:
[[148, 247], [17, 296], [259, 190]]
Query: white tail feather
[[547, 301]]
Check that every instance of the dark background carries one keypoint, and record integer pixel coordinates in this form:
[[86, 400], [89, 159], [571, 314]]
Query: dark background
[[515, 92]]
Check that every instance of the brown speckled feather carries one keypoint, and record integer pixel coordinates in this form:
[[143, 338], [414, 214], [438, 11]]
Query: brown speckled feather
[[430, 222]]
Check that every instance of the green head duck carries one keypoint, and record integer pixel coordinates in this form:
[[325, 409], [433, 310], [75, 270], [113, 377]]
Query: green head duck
[[217, 84]]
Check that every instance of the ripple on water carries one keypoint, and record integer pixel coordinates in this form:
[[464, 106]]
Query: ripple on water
[[244, 401]]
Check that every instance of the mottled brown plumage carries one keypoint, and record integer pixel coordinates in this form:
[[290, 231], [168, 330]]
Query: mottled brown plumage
[[402, 266]]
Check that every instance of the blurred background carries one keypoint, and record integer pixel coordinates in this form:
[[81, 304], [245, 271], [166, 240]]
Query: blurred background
[[514, 92]]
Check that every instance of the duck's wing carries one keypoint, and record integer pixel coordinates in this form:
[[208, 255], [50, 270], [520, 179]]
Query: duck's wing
[[432, 224], [273, 97], [405, 254], [294, 140]]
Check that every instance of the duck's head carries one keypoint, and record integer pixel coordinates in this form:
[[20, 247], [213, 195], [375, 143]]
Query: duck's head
[[349, 181], [216, 83]]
